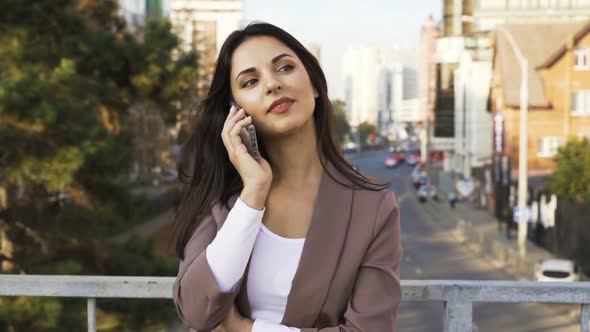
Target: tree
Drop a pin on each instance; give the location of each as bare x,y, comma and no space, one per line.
69,73
365,129
571,179
342,126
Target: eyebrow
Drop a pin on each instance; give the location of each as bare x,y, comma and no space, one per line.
273,61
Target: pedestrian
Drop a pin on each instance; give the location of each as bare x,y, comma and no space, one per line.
298,241
452,199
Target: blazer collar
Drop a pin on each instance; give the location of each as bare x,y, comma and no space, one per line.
321,252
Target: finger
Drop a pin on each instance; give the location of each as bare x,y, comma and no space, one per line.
235,118
230,122
239,125
232,111
235,133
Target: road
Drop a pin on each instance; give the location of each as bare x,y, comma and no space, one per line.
430,252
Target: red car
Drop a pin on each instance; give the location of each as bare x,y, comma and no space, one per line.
391,161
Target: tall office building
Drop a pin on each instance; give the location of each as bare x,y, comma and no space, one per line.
154,8
133,11
203,26
379,79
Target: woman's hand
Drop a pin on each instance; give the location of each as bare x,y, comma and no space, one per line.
234,322
257,177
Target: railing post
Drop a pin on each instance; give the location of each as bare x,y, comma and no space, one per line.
458,313
585,318
91,315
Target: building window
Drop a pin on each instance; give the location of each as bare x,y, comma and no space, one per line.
547,146
582,58
581,103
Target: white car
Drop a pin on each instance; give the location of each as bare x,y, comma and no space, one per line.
427,191
556,270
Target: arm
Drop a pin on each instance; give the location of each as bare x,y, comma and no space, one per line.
377,292
211,273
261,325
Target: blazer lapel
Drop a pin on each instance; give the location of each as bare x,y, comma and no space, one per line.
321,251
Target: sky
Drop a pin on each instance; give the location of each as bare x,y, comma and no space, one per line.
335,24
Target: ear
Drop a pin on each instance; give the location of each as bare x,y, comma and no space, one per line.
316,94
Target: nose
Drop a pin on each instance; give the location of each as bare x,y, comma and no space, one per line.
273,86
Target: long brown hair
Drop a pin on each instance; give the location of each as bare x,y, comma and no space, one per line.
204,164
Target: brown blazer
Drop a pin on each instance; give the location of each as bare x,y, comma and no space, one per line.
348,274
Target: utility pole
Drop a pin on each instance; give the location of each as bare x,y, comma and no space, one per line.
523,145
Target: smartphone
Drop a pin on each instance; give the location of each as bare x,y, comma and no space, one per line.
249,139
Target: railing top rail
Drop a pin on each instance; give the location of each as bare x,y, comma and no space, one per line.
412,290
86,286
496,291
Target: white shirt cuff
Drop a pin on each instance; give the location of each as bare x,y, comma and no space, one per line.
261,325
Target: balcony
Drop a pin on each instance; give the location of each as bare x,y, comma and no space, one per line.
457,296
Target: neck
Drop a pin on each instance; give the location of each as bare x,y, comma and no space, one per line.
295,158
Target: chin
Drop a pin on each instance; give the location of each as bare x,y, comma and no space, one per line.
286,126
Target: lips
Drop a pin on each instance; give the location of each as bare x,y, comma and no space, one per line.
280,105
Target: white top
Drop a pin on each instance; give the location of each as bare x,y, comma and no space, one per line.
272,267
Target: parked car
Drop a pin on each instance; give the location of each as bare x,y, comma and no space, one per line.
414,158
390,161
556,270
400,155
418,176
426,192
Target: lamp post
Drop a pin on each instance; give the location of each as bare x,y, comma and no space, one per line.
523,144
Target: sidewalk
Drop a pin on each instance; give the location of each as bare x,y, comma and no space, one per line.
478,229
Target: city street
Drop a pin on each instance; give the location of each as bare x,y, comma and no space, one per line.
431,252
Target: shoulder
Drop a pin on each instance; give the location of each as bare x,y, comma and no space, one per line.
375,200
376,207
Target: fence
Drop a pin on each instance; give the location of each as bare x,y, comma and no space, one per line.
457,296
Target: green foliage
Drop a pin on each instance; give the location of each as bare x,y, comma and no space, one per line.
136,258
70,71
32,313
67,80
571,180
365,129
342,126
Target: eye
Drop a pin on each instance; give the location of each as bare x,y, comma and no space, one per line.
249,83
286,68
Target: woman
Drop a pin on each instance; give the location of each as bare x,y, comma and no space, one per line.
299,241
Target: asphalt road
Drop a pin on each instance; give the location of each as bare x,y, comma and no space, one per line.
430,252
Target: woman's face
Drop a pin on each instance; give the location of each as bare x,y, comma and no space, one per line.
271,84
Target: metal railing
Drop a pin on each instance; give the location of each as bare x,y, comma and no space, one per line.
457,296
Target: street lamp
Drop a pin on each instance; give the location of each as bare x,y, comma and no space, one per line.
523,142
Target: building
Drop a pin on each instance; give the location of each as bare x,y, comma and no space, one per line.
378,79
155,8
488,14
473,123
559,91
426,82
426,69
203,26
315,49
464,58
133,12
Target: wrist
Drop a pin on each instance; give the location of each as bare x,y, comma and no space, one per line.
254,196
